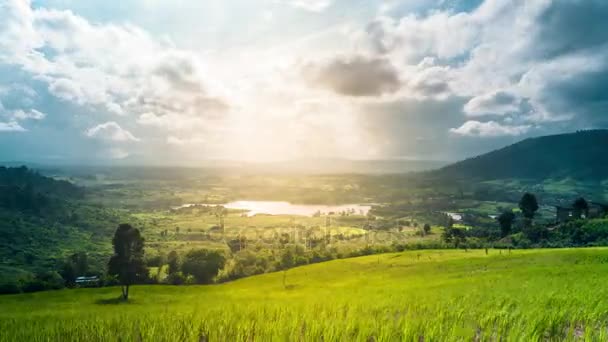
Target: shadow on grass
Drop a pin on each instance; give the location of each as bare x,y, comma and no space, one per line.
113,301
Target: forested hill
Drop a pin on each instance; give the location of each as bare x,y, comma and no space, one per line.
582,155
42,220
25,190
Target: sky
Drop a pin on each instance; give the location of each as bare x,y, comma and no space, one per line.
185,82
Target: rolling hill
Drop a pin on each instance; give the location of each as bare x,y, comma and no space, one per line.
581,155
525,295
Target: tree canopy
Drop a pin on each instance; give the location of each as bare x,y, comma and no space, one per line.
505,220
528,205
127,263
203,264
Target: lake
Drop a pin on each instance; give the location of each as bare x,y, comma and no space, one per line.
286,208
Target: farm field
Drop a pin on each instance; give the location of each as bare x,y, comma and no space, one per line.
433,295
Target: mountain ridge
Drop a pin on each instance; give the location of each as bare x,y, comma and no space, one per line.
578,155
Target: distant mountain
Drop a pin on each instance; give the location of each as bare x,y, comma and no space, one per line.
582,155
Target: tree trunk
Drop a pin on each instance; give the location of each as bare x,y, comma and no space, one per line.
125,292
285,278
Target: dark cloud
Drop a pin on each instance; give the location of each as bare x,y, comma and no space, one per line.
583,95
567,26
356,76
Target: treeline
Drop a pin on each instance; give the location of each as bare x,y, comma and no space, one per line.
519,229
197,266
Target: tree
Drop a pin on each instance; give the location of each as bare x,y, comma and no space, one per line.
447,235
449,222
535,233
528,205
74,266
288,260
459,236
203,264
173,261
427,228
505,220
580,207
127,263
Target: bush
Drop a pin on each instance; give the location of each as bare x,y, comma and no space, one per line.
43,281
203,265
9,287
176,278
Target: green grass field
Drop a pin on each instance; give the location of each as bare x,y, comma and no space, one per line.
527,295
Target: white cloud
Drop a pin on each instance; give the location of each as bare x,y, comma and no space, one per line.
108,67
311,5
497,102
489,129
32,114
448,68
11,126
110,131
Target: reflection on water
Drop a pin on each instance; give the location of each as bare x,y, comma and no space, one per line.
286,208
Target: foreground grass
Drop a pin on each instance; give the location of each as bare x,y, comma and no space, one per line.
420,295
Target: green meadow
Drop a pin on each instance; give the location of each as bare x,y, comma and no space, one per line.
433,295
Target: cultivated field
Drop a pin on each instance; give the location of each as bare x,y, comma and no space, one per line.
525,295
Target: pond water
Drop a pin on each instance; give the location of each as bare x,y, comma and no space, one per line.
286,208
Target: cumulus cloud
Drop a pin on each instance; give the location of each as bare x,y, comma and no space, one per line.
499,69
489,129
11,120
356,76
497,102
539,62
115,68
432,81
32,114
11,126
110,131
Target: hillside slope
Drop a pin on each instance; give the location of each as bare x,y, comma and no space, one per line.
531,295
42,220
581,155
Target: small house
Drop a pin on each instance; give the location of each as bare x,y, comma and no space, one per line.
567,213
87,281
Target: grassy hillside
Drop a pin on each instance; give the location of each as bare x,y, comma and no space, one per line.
431,295
580,155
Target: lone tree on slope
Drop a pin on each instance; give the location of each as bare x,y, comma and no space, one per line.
427,228
580,207
528,205
505,220
127,263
